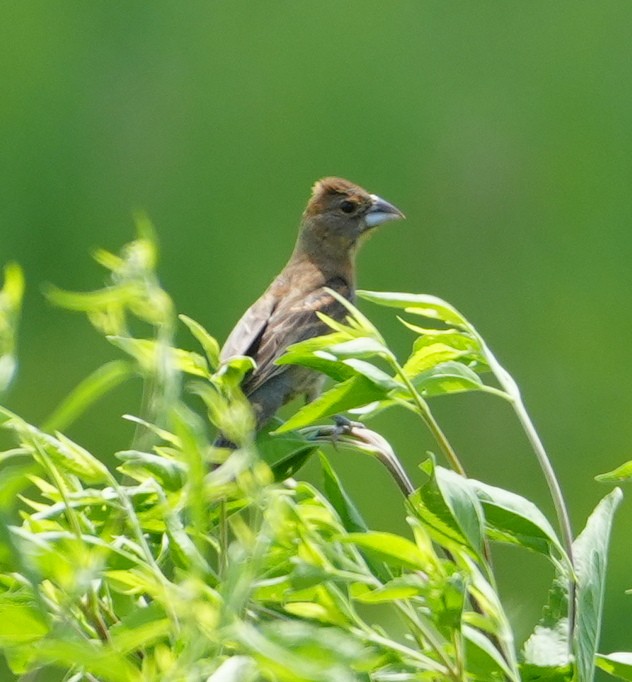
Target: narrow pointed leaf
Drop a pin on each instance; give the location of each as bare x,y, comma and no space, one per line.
351,393
208,343
621,474
349,515
590,552
419,304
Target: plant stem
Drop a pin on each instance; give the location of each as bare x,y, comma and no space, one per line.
513,394
430,421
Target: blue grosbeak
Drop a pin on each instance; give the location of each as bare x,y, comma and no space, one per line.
337,218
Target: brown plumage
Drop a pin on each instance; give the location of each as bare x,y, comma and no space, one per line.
338,215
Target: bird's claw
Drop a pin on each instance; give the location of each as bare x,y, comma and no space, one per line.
343,426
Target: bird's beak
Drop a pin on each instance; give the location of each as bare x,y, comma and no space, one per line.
380,212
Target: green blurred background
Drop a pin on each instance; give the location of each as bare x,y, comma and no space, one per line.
502,129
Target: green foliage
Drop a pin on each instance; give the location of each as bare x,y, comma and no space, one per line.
191,562
10,302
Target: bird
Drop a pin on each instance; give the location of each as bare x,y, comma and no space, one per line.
337,219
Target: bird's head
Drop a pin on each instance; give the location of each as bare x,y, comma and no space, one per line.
339,213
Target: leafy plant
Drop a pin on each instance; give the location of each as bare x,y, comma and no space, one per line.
189,562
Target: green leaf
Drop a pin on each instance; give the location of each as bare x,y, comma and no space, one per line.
463,504
451,510
88,301
299,651
149,354
347,395
428,356
448,377
64,453
419,304
132,581
208,343
108,665
356,319
618,664
490,616
140,628
11,296
83,396
77,460
232,372
20,622
457,339
236,669
315,353
483,658
349,515
621,474
284,455
548,648
361,347
14,479
514,519
291,464
410,585
590,551
393,549
374,374
535,673
143,465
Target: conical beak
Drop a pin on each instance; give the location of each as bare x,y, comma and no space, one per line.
380,212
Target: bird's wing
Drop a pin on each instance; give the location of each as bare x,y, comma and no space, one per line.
245,337
293,319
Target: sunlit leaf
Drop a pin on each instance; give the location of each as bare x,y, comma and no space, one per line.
141,465
428,356
448,377
236,669
10,302
618,664
396,550
86,301
621,474
20,622
139,629
65,453
208,343
362,347
149,354
355,318
419,304
102,661
407,586
315,353
352,393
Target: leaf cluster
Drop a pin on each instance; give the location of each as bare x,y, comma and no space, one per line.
193,562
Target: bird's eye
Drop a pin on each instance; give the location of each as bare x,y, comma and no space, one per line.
348,206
